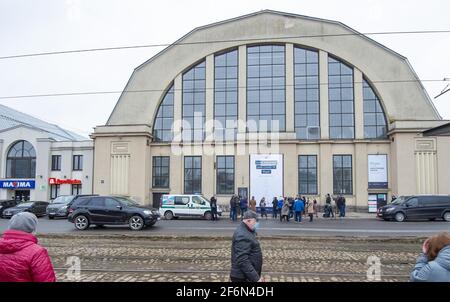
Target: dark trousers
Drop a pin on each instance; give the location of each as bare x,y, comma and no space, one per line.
298,216
274,212
243,210
263,212
234,213
311,217
214,213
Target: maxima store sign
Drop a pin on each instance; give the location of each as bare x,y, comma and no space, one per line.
17,184
377,171
266,176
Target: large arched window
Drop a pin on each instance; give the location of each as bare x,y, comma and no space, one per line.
21,161
341,100
306,79
194,103
226,95
162,130
266,88
375,125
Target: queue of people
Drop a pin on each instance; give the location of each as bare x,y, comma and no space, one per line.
287,208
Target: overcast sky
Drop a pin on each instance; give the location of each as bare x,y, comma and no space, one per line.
28,26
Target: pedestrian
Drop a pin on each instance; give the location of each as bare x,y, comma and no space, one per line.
262,207
280,206
304,205
213,204
328,204
291,207
433,264
21,258
316,208
246,254
285,210
310,210
232,207
243,204
274,207
236,207
343,206
339,205
299,207
252,204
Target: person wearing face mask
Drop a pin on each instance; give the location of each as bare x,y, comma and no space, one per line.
21,258
246,254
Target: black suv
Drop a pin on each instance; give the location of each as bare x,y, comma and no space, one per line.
429,207
110,210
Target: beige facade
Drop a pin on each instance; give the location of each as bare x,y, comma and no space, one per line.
125,146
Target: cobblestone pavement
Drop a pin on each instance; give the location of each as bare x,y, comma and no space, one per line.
172,258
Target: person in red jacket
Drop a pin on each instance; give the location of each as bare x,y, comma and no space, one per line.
21,258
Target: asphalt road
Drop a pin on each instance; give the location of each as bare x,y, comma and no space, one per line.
363,227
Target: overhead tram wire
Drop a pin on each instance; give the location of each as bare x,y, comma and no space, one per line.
221,41
162,90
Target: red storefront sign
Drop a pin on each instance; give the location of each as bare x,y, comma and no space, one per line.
57,181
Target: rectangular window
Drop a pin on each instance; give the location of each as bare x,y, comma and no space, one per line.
54,191
161,168
226,95
266,88
307,174
342,174
192,174
77,163
56,162
306,93
76,189
341,100
225,175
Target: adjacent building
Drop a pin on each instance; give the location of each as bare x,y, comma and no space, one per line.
271,104
40,161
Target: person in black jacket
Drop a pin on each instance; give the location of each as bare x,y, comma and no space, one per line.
213,203
246,254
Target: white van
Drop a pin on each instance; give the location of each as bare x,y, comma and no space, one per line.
173,206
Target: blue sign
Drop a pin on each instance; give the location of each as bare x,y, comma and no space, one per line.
17,184
266,171
378,185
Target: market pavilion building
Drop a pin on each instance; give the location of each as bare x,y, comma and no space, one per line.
271,104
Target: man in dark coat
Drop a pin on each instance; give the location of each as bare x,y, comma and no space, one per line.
246,254
213,203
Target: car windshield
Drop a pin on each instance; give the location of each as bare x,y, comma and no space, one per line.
24,205
63,199
127,201
203,198
400,200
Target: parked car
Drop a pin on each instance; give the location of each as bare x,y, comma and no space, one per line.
429,207
5,204
59,207
174,206
36,207
110,210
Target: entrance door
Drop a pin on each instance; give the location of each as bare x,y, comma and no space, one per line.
157,199
22,195
376,201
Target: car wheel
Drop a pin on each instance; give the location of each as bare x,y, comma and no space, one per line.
208,215
447,216
168,215
81,222
399,217
136,223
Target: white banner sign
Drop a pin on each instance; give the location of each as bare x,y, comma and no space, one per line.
377,171
266,176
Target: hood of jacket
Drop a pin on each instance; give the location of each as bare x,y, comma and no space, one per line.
443,258
14,241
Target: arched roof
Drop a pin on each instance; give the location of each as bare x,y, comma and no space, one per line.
397,84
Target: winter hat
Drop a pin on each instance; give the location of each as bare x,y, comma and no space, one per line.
23,221
250,214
